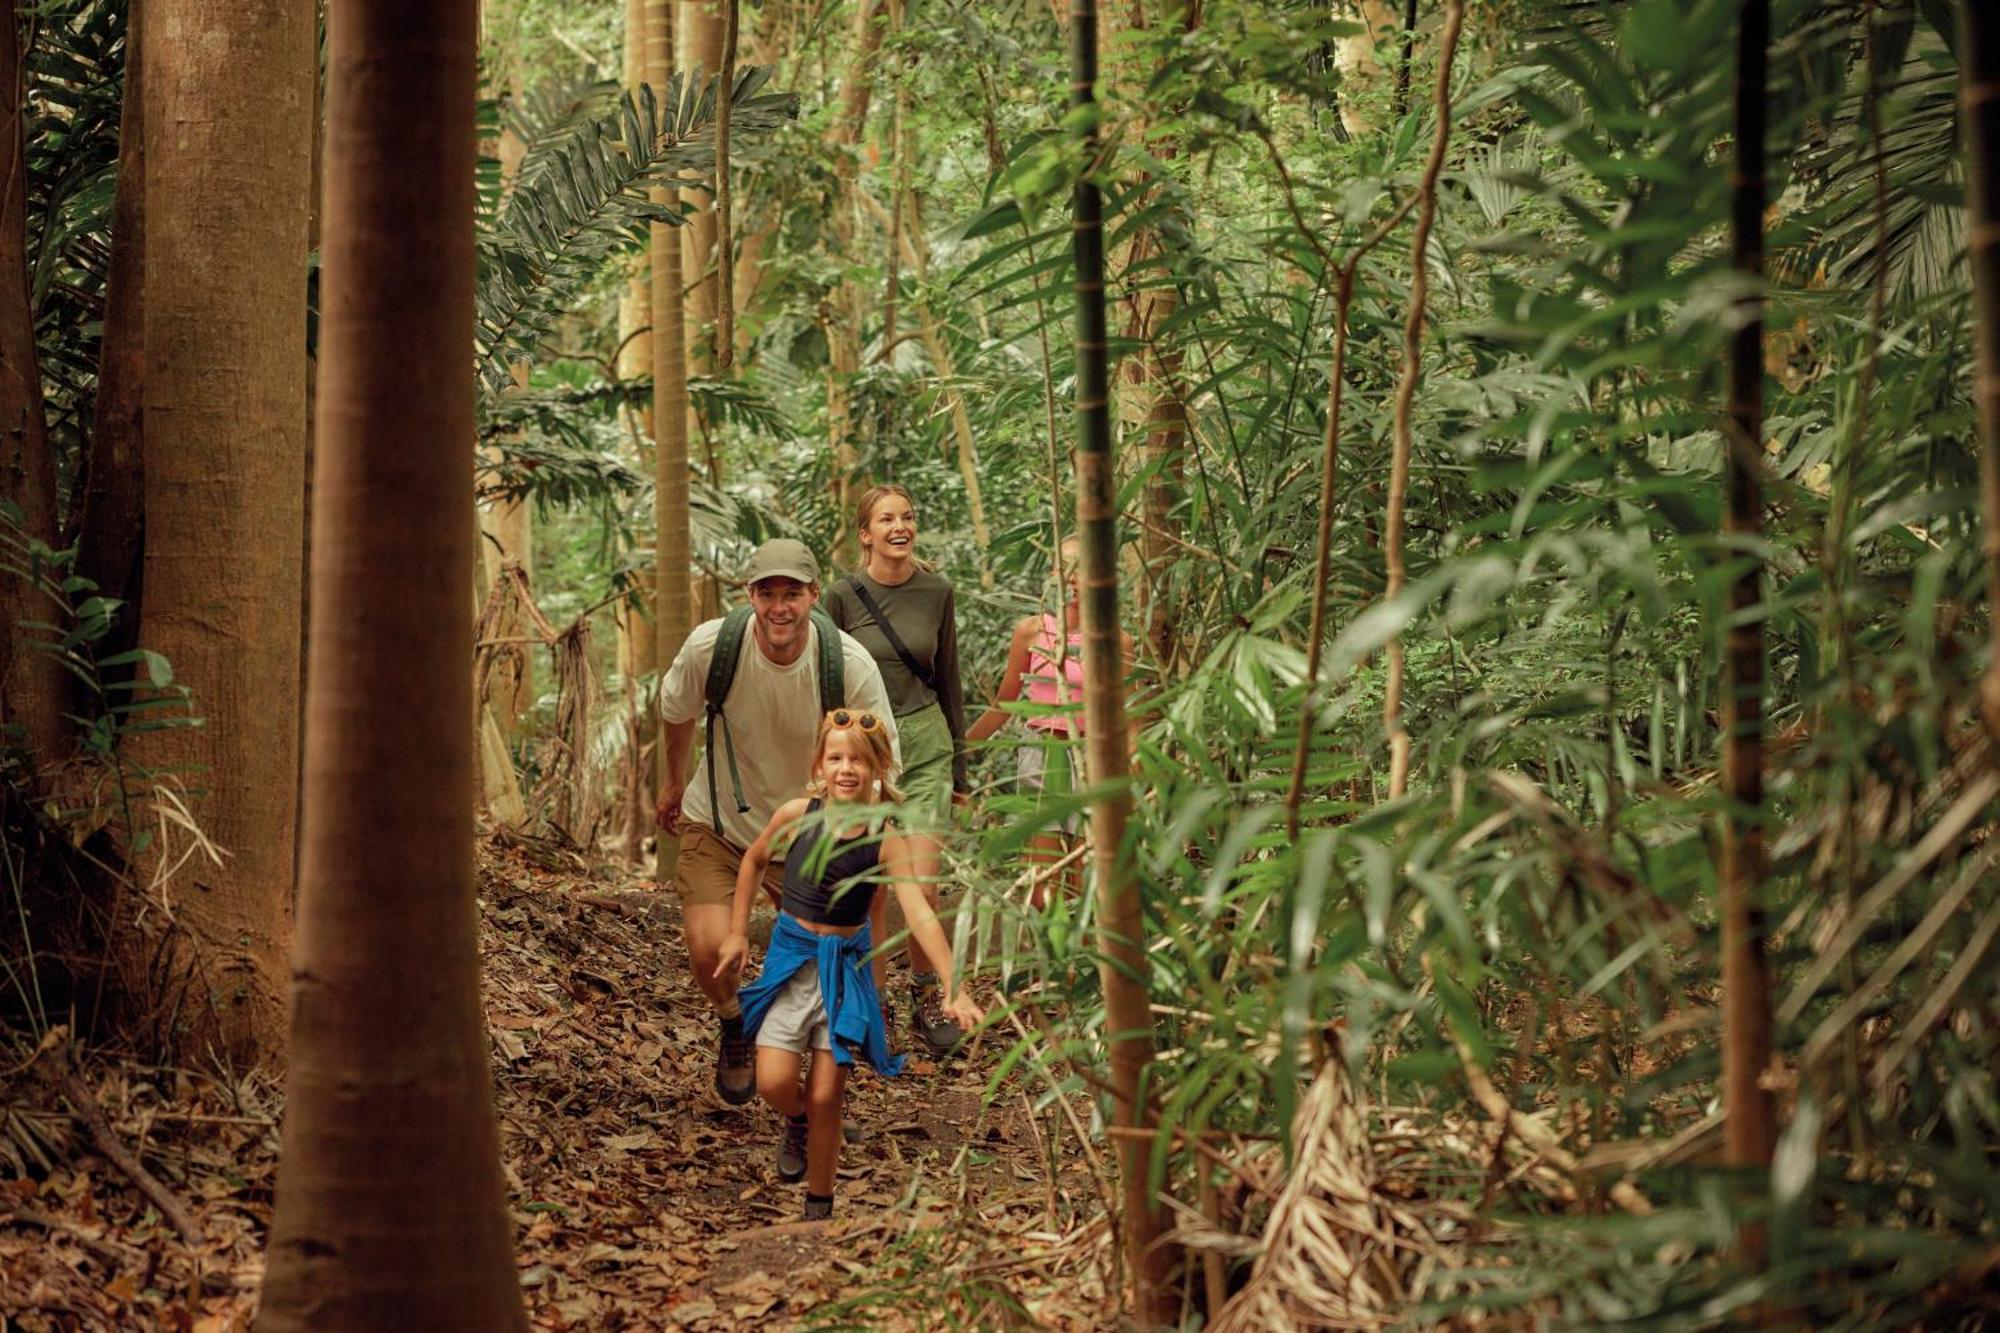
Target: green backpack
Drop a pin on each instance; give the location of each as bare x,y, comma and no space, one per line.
722,675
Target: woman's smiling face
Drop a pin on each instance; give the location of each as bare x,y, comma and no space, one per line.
891,529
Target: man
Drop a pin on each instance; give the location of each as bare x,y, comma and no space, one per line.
759,747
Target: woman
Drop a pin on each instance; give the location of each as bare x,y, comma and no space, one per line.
907,616
1045,665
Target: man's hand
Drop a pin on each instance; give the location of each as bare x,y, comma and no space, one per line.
667,814
961,1010
729,960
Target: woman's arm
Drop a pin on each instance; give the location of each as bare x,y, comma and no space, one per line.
1011,680
749,874
926,930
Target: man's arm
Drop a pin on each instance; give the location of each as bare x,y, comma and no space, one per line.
680,739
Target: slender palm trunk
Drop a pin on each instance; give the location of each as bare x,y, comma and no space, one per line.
724,341
673,604
389,1204
1121,910
1746,1001
228,162
1979,64
698,35
31,682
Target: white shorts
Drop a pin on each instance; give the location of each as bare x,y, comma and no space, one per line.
797,1017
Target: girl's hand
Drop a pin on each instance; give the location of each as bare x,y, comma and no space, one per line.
961,1010
735,952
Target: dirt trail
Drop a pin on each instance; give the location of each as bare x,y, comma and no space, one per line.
641,1201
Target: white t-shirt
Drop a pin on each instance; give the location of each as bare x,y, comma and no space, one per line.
773,715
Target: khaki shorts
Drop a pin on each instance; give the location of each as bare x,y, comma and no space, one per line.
705,874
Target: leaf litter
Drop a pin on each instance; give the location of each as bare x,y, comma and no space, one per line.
640,1201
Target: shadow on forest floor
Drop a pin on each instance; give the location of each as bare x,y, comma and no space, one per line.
640,1200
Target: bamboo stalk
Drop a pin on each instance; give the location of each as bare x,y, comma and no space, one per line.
1121,913
1746,1002
1979,101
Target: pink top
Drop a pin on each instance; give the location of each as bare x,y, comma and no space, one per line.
1040,684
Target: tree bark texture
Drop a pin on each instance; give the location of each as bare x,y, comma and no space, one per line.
842,318
32,689
1121,910
109,526
1749,1134
228,126
699,33
1980,115
673,604
389,1203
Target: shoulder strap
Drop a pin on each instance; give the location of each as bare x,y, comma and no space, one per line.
715,690
832,663
917,669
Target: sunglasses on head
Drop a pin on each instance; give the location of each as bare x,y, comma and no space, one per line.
843,718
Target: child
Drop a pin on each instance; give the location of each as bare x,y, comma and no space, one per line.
1045,667
816,988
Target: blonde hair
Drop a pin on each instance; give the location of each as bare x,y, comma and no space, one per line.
876,740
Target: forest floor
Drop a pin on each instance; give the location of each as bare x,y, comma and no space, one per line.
640,1200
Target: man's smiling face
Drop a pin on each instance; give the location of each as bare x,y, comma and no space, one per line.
782,606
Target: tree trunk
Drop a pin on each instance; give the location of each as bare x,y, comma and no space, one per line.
227,166
841,316
699,33
31,682
507,527
389,1205
1746,1002
1980,106
109,524
673,613
1121,911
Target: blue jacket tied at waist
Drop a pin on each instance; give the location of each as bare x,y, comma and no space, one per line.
846,988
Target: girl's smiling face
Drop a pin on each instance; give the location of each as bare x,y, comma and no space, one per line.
846,766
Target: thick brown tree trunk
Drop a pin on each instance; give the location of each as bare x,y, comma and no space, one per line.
109,527
389,1204
228,123
1979,63
1128,1019
673,604
31,682
1749,1132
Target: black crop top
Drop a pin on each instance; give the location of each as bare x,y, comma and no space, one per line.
830,890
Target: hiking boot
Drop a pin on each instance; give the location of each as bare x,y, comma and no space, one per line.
735,1080
792,1149
927,1017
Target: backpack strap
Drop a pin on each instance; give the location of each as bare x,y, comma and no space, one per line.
832,664
721,675
902,650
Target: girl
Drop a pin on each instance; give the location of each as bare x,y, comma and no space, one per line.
816,989
1045,663
907,617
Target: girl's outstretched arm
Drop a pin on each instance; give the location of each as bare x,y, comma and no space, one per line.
927,931
1011,680
736,947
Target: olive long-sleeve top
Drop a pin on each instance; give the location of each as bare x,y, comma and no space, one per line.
924,610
